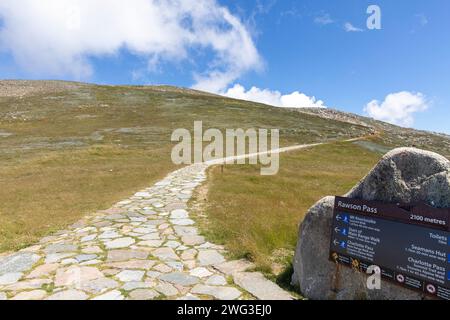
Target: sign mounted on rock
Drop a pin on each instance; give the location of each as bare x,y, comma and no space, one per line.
410,243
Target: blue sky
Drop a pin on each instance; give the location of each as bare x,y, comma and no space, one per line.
280,46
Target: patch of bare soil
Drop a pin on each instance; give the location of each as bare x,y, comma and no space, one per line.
22,88
198,204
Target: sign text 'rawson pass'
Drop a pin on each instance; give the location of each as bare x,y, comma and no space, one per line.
410,243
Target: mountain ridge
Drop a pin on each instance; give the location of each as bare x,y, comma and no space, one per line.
329,113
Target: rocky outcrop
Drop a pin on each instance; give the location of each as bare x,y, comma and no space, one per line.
403,175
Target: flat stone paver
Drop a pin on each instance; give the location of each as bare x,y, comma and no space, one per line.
10,278
259,286
18,262
30,295
218,292
69,295
143,294
146,245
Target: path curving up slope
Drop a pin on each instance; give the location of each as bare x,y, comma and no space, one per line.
143,248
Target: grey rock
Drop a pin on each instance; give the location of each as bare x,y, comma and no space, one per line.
91,262
143,194
403,175
68,295
30,295
130,275
133,264
119,243
109,234
176,205
150,243
115,217
144,230
200,272
151,236
19,262
76,275
143,294
179,214
100,285
43,270
166,289
158,205
189,297
60,247
85,257
69,261
91,250
172,244
55,257
179,278
165,254
132,285
185,231
182,222
216,280
221,293
148,212
192,240
189,254
27,285
10,278
124,255
175,265
261,288
231,267
153,274
163,268
210,257
407,175
154,222
111,295
88,238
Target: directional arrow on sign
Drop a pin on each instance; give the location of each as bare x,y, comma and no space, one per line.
335,242
337,230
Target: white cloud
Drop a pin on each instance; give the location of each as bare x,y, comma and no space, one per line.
274,98
324,19
351,28
58,37
398,108
423,20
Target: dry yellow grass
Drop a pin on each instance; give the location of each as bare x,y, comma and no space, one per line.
49,192
68,149
257,217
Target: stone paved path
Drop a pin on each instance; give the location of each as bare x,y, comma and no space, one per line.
143,248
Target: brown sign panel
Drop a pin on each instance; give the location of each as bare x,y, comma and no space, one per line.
410,243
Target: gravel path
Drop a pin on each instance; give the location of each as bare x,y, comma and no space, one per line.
145,247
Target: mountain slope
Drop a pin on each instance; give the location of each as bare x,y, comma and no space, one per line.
388,134
68,149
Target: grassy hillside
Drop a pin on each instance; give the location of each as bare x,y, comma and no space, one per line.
388,134
257,217
67,149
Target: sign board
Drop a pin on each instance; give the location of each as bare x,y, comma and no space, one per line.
410,243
